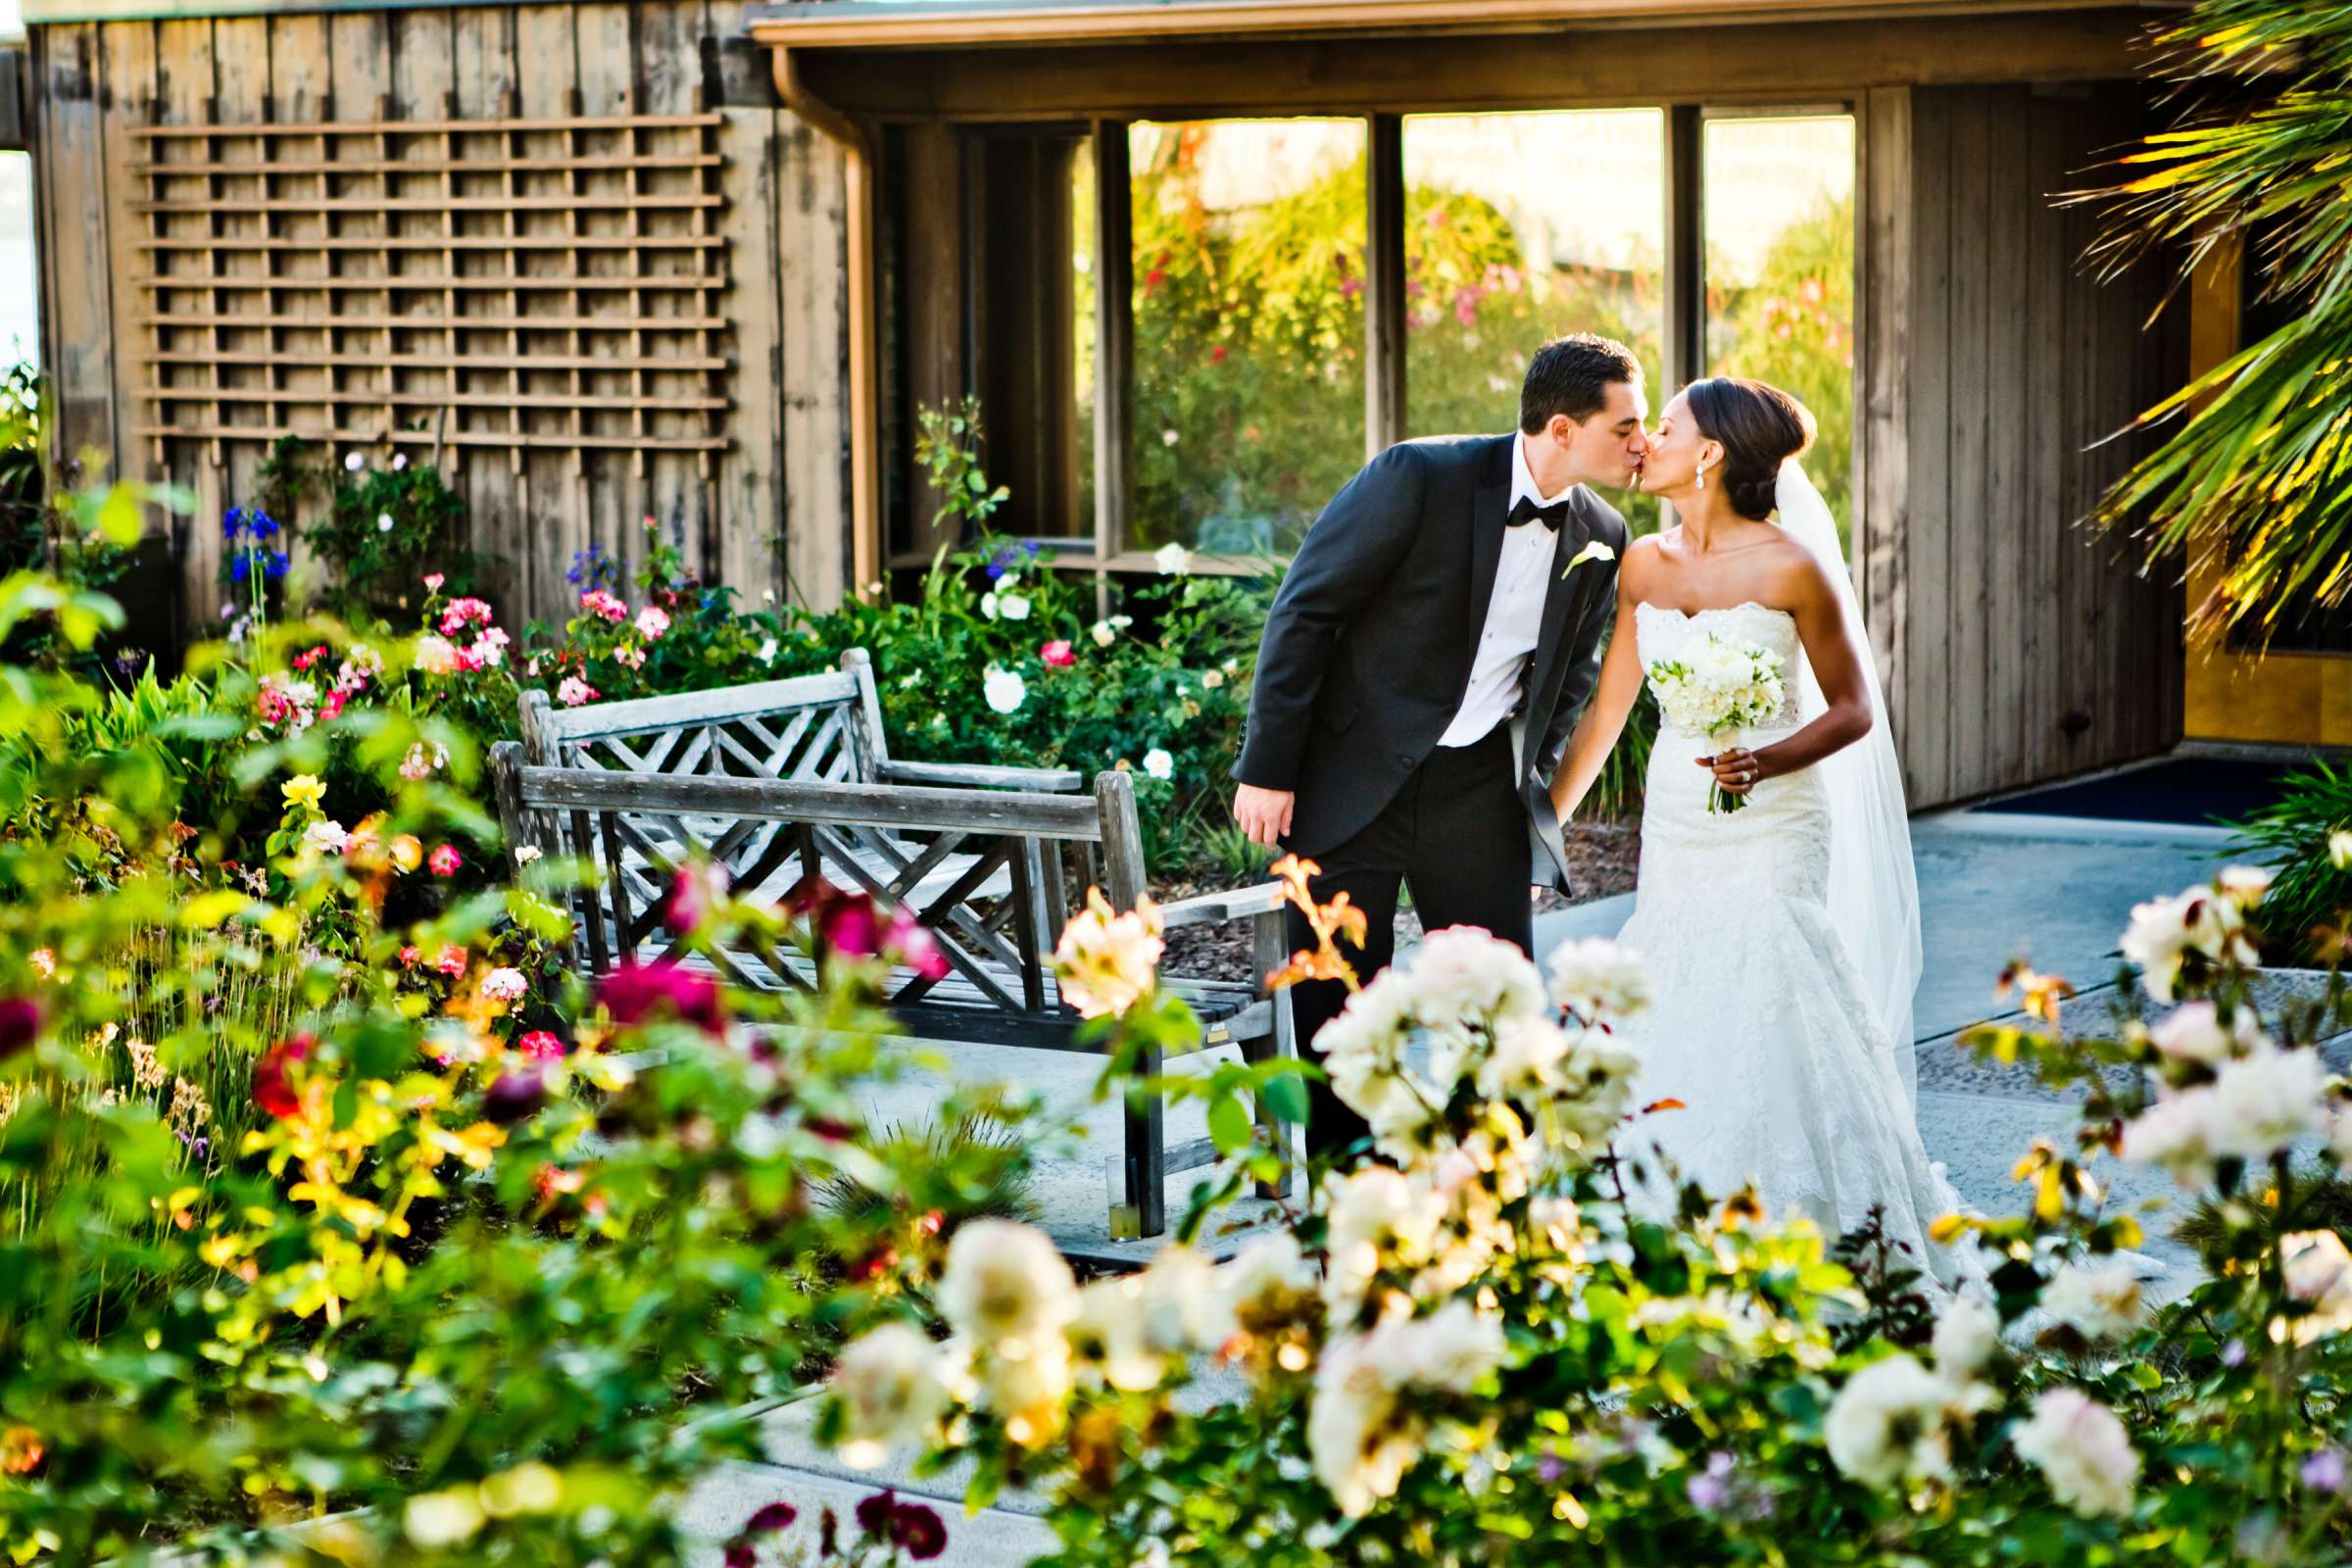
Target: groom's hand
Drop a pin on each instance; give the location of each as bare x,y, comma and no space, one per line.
1265,815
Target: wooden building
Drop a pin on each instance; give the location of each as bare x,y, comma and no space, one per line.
704,262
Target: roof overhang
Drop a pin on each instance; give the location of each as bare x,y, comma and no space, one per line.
971,23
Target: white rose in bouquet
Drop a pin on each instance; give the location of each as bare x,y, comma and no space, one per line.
1267,1281
1722,687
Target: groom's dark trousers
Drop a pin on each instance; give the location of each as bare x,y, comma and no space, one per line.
1366,655
1456,835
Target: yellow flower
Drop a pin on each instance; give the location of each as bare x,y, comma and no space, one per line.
304,789
1107,960
408,852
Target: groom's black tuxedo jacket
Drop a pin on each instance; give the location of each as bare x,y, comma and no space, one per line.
1367,650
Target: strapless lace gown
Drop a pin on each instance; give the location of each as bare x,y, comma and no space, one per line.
1757,1023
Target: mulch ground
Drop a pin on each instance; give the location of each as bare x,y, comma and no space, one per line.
1602,857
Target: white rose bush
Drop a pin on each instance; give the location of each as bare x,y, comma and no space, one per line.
1461,1345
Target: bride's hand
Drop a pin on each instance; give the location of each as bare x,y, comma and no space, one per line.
1737,769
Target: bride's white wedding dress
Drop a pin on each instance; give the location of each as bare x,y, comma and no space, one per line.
1760,1023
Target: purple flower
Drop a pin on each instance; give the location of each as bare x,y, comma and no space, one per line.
239,565
278,564
918,1532
771,1516
515,1094
1710,1490
1548,1469
2233,1353
2324,1471
231,522
262,523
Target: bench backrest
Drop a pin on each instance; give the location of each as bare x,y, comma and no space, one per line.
816,728
993,873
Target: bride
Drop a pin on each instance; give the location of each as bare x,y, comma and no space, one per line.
1782,934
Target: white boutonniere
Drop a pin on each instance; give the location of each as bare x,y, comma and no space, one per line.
1593,551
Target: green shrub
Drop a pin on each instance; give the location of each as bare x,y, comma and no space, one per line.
2312,883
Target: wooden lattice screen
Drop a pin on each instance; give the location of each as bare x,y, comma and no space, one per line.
449,284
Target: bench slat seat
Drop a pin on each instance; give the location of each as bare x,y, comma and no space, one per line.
790,779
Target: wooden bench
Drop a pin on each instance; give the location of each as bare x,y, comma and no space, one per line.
780,781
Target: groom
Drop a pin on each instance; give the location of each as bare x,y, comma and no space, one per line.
1422,665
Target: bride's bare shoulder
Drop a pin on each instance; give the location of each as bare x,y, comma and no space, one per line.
1643,557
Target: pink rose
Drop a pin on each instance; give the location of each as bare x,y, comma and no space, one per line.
433,582
444,860
1058,654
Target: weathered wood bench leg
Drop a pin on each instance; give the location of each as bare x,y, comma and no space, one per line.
1267,944
1146,1152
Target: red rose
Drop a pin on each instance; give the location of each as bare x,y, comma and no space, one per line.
271,1088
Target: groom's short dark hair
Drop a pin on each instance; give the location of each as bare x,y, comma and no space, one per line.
1571,375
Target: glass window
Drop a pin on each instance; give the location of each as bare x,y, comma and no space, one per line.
1520,228
1249,328
1780,274
1082,329
19,291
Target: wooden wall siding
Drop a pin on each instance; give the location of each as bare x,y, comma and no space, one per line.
2020,647
767,513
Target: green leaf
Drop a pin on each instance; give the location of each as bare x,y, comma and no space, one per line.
1229,1124
1285,1096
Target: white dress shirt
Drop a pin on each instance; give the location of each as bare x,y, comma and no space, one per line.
1514,613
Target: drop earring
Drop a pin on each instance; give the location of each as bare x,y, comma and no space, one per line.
1702,474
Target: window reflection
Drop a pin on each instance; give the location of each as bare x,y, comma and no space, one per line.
1520,228
1779,280
1249,328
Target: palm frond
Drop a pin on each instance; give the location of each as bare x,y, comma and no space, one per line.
2259,465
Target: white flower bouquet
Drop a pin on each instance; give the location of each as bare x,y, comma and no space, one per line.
1723,687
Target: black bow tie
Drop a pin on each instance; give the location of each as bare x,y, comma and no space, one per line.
1526,510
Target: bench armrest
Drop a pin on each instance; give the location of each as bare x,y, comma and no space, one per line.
982,775
1215,908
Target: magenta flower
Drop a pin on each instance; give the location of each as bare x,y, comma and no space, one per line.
444,860
19,1024
638,993
1058,654
913,946
541,1044
693,894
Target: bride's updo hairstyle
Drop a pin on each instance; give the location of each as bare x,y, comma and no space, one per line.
1759,428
